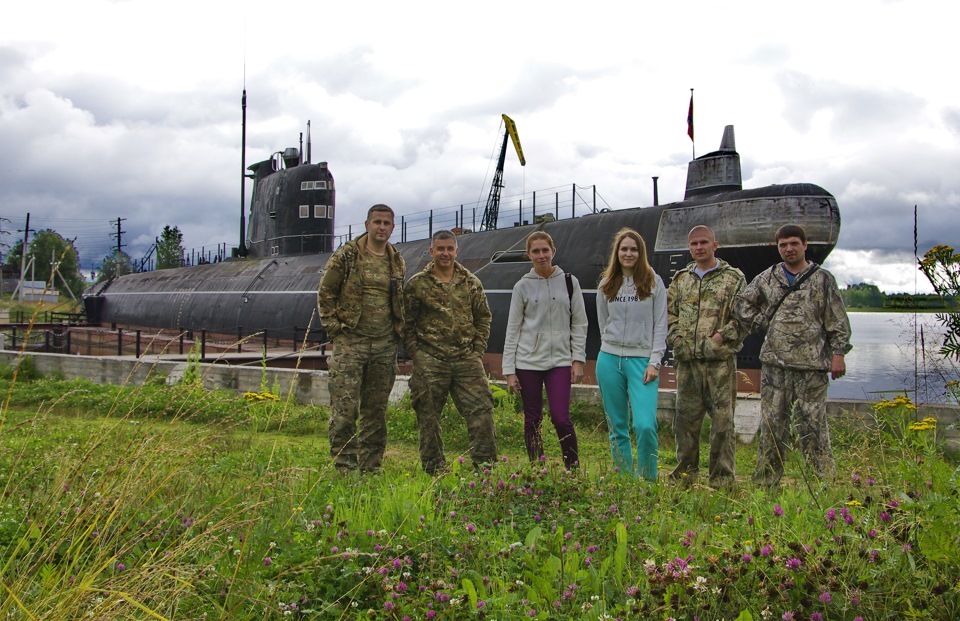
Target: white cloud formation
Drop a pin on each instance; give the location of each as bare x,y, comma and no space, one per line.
131,117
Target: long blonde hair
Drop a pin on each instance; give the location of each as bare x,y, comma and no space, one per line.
612,277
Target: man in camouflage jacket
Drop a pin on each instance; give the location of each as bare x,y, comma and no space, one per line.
705,338
798,304
446,331
360,302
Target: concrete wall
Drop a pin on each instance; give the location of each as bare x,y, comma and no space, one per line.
310,387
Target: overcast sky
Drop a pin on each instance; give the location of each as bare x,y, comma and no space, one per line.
131,109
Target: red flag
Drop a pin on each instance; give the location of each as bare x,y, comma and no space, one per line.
690,118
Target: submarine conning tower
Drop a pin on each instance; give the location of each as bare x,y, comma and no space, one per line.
292,208
715,172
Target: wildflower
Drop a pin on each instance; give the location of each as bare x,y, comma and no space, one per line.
267,561
746,558
885,517
831,515
825,598
817,616
766,550
121,566
389,606
794,564
777,510
788,616
471,528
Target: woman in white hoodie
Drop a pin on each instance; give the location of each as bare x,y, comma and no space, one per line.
632,313
545,345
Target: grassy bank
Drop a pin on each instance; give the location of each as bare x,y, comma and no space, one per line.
175,503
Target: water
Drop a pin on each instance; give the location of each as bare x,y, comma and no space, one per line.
886,354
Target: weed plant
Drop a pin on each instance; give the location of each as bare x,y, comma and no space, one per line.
172,502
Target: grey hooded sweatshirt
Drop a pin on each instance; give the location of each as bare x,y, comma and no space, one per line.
630,327
540,334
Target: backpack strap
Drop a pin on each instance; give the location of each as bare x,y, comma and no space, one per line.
796,285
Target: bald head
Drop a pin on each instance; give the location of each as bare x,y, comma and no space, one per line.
701,230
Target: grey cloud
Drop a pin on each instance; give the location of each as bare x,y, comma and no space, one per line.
951,116
855,110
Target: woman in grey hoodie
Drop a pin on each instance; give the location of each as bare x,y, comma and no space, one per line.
545,345
632,313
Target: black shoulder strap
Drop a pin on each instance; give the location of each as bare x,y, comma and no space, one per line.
569,278
796,285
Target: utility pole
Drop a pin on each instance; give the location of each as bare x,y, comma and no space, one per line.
23,256
119,236
2,260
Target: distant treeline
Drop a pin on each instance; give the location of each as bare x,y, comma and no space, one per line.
864,295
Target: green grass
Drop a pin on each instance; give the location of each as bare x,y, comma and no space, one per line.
175,503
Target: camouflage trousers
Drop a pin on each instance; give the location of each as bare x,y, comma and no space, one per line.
792,401
362,372
464,380
706,387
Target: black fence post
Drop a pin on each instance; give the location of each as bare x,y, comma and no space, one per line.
264,342
137,348
46,341
119,341
203,344
239,339
295,330
68,343
13,337
181,339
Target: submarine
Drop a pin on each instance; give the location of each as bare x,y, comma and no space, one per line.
292,213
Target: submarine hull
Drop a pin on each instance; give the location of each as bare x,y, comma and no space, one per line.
279,294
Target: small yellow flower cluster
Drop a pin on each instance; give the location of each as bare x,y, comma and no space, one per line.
925,425
263,395
898,401
853,503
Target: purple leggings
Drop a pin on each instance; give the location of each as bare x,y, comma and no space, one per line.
557,381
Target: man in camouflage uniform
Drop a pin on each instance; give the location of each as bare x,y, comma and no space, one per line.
360,301
446,331
705,338
798,304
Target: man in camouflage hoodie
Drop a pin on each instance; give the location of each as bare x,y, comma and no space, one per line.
360,301
705,338
798,304
446,331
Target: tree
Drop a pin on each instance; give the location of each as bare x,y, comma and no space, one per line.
862,295
115,264
170,248
941,266
49,249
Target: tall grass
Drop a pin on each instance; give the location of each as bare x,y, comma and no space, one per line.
171,502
